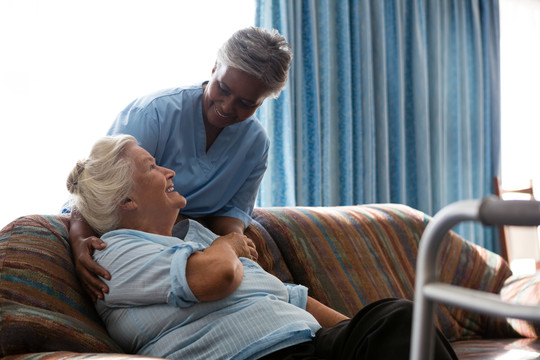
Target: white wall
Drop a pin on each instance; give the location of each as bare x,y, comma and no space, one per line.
67,67
520,116
520,92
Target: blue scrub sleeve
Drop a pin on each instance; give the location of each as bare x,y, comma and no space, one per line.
242,203
137,122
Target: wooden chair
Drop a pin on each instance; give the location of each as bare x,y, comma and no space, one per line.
506,232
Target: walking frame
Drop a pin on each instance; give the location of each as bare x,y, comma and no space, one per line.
428,288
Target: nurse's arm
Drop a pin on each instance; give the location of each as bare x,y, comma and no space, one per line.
223,225
83,243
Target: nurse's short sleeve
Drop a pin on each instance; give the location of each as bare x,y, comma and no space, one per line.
136,121
241,204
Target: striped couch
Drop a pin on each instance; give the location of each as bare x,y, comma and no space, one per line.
347,256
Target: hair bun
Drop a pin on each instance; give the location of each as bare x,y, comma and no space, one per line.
73,178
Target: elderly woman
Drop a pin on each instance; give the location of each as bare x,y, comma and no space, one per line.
207,131
197,295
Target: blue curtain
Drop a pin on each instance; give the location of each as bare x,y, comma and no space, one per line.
388,101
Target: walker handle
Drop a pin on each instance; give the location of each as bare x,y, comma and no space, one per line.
494,211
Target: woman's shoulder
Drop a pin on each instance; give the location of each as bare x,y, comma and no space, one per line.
170,94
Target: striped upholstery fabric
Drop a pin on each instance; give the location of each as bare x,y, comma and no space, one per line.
501,349
353,255
43,307
65,355
523,290
270,257
347,256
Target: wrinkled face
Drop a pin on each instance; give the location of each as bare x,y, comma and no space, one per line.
231,96
153,189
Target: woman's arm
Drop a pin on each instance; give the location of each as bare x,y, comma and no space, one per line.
146,272
326,316
216,272
83,243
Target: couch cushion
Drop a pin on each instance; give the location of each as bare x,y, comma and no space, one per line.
523,290
270,257
350,256
489,349
65,355
43,307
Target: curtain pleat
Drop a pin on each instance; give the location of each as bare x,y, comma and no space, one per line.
388,101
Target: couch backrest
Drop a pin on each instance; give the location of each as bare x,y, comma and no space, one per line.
350,256
42,306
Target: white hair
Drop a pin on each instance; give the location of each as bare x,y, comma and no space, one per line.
100,183
263,54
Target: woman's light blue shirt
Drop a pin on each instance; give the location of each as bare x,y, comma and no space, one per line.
151,311
223,181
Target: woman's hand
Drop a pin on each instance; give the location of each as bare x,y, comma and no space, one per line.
241,244
230,227
83,244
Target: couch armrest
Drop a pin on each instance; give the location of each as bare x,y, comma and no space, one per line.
42,305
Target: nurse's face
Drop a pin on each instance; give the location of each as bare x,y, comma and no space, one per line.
231,96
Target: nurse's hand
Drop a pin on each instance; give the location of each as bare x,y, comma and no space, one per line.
88,271
83,244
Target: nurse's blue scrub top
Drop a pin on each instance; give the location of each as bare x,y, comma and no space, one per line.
221,182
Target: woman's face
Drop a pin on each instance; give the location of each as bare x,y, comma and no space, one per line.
153,189
231,96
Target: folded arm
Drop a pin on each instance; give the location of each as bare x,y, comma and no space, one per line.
216,272
181,274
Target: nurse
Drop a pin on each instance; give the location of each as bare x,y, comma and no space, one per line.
208,130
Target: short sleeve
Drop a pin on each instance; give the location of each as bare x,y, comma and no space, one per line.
134,120
181,295
241,204
297,295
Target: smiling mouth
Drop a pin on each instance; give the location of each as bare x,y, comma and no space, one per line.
220,115
170,189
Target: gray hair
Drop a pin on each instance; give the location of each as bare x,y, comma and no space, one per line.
100,183
263,54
